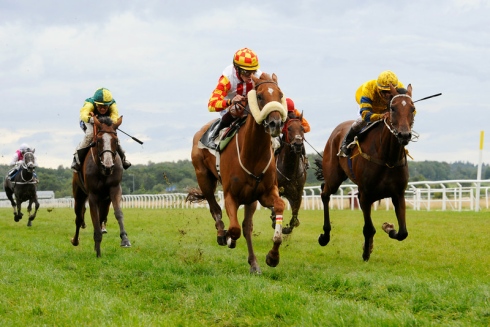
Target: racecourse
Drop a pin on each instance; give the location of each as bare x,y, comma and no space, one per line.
175,274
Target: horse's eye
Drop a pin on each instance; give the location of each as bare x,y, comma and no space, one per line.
392,108
259,97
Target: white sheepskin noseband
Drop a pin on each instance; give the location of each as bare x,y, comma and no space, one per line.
260,115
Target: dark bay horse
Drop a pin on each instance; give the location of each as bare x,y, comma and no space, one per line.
24,188
291,170
99,182
246,170
378,165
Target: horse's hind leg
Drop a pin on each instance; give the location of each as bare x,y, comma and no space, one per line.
247,227
79,208
294,222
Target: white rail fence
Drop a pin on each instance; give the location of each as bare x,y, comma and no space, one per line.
454,195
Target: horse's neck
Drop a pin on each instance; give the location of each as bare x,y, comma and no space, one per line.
390,149
253,140
288,160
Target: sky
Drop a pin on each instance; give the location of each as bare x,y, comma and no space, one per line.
162,59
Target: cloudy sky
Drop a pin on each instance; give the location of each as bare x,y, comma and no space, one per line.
162,59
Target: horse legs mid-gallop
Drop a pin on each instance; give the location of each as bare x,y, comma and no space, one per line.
101,184
23,188
378,166
246,171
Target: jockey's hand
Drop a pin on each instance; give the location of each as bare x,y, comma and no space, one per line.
237,98
236,110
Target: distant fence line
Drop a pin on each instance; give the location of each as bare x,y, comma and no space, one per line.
454,195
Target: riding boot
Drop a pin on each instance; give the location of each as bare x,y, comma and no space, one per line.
126,164
349,137
75,165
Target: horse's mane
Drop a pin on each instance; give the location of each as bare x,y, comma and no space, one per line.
105,120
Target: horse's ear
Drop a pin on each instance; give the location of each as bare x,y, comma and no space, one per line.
33,150
274,77
393,90
118,123
301,117
409,90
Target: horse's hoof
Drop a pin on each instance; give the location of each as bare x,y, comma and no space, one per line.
221,240
83,226
287,230
388,227
75,243
104,231
231,243
29,223
125,244
271,262
323,239
255,270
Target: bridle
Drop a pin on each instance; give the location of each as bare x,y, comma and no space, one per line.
96,142
392,128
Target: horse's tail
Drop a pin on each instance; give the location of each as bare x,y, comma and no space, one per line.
195,195
318,169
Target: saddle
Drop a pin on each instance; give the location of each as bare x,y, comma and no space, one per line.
362,134
218,140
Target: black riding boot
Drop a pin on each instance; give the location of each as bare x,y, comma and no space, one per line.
126,164
349,137
75,165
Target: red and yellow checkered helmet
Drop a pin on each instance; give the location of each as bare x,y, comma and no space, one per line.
385,79
246,59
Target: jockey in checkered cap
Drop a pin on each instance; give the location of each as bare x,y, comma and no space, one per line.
233,85
101,104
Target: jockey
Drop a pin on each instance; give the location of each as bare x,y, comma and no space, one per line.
233,86
295,113
101,104
373,97
18,159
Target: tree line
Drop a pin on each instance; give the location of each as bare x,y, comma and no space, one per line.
176,177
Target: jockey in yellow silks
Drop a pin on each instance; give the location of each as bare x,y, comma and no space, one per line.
373,97
101,104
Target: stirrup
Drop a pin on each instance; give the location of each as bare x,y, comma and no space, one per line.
344,151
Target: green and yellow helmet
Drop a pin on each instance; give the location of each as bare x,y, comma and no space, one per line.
103,96
385,79
246,59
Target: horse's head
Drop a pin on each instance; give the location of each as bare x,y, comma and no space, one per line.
29,161
267,103
105,138
401,114
294,132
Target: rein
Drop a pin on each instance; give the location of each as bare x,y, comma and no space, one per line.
258,179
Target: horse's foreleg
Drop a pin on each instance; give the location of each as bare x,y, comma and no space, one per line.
400,211
294,222
18,213
368,230
324,238
272,258
94,213
116,195
247,226
234,229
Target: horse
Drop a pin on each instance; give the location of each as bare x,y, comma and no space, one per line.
246,170
378,165
24,187
291,170
99,182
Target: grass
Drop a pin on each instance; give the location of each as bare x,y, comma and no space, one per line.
175,274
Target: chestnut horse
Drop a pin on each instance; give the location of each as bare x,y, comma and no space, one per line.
291,170
246,170
99,182
24,188
378,165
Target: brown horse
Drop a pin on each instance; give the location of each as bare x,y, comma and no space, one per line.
378,165
23,187
291,170
99,182
246,170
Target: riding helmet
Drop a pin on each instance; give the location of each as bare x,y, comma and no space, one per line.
246,59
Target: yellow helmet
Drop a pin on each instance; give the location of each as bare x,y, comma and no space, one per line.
385,79
103,96
246,59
